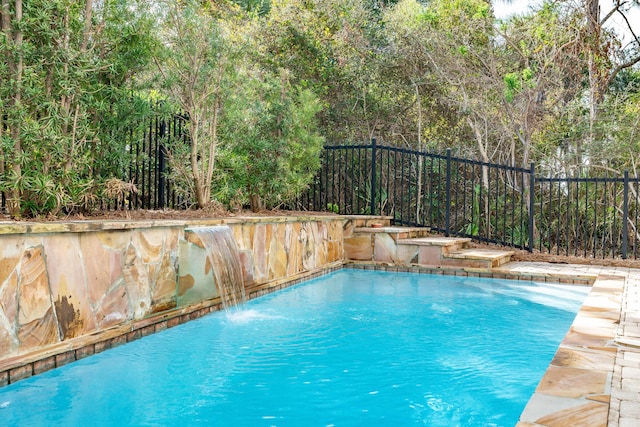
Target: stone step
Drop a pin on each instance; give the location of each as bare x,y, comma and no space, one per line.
378,243
438,251
437,241
413,246
356,221
396,233
428,251
477,258
432,247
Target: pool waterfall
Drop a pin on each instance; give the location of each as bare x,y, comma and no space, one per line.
223,258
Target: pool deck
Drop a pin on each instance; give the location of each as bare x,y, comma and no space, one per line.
594,378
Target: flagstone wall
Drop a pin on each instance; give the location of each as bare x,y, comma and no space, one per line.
61,281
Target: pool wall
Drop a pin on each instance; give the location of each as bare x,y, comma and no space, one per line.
69,290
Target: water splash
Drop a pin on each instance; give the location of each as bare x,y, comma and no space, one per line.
247,316
224,257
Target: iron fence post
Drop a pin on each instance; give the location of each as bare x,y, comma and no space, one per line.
162,165
373,176
532,181
625,215
447,213
324,198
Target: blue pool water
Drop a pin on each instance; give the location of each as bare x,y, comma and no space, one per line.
353,348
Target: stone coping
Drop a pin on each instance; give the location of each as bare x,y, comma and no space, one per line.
436,241
490,273
390,229
81,226
475,253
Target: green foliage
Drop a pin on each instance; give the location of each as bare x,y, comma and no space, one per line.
257,7
275,145
65,103
197,73
252,118
472,228
332,207
515,82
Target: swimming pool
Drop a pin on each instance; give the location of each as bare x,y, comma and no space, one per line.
350,348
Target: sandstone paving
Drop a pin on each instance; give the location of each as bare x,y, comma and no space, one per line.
594,379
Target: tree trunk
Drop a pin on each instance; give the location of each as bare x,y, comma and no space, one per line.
88,10
203,193
420,148
255,202
13,34
481,140
596,90
5,54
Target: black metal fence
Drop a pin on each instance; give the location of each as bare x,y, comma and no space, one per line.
588,217
594,217
145,166
149,167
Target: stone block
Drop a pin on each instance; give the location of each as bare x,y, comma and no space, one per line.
628,422
572,382
430,256
66,357
630,372
277,258
407,254
161,326
85,351
584,359
174,321
630,408
44,365
147,330
632,356
384,248
246,264
631,384
102,346
134,335
590,415
122,339
465,263
358,248
20,373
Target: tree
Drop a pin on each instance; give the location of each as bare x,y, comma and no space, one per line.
70,64
592,62
273,137
197,70
327,47
449,49
542,75
606,55
12,49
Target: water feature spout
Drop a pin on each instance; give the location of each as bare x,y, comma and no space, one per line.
224,258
